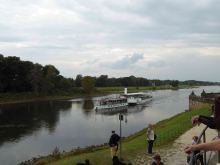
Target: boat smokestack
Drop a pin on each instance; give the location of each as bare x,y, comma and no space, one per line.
126,91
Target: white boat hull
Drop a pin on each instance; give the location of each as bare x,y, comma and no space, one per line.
111,106
110,111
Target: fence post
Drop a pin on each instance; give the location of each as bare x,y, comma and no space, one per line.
204,140
218,151
120,118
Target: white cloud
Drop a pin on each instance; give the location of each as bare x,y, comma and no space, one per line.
103,37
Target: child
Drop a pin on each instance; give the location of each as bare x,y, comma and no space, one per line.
157,160
196,153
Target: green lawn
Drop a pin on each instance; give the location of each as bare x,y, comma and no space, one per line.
166,130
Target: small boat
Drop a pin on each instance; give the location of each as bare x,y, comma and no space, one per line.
137,98
110,103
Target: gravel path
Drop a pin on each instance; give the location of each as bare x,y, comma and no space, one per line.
174,154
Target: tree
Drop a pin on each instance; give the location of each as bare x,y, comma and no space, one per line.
78,80
175,83
64,84
50,71
101,81
50,77
36,78
88,84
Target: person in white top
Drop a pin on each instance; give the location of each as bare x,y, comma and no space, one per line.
150,138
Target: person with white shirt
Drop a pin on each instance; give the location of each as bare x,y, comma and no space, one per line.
150,138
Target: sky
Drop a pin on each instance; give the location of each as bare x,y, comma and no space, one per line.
155,39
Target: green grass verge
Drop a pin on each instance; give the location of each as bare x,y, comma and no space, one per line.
167,131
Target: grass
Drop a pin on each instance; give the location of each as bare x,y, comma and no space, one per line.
167,131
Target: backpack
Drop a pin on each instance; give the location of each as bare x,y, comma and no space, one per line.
110,143
113,141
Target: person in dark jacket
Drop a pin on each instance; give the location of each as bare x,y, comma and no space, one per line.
113,143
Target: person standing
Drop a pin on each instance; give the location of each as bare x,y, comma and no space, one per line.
113,143
150,138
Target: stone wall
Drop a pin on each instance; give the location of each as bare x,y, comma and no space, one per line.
205,100
198,102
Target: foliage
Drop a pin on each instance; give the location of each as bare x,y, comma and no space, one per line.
18,76
78,80
88,84
102,81
174,83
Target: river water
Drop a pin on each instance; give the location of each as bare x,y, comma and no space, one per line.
32,129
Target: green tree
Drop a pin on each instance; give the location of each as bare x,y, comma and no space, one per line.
101,81
64,84
14,74
78,80
36,78
174,83
88,84
50,76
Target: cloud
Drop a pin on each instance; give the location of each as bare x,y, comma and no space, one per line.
93,36
156,64
127,61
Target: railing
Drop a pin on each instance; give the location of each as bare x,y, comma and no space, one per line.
206,158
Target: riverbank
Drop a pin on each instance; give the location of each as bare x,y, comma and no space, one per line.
10,98
167,131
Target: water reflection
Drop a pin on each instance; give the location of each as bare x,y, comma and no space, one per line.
122,110
19,120
112,111
87,106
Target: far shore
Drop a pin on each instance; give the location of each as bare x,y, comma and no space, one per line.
12,98
42,98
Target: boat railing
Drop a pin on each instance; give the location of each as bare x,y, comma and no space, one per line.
207,155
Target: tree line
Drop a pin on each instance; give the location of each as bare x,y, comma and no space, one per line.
24,76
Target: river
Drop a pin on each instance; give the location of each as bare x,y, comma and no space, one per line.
35,128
